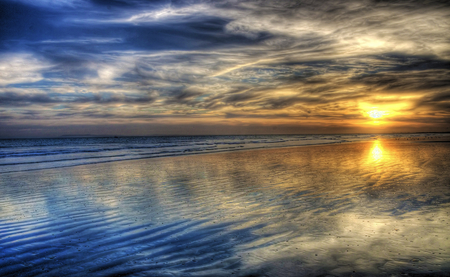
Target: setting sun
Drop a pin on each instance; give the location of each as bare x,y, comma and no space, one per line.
376,114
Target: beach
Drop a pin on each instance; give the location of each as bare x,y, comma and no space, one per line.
371,208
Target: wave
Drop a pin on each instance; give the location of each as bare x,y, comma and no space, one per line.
34,154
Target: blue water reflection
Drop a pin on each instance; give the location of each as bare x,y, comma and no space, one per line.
377,208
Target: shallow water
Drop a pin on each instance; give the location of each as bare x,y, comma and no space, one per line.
32,154
364,209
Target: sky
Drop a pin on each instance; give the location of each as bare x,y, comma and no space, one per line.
136,67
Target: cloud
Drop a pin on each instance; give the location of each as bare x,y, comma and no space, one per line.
53,3
241,97
21,68
84,41
409,81
12,99
226,59
166,14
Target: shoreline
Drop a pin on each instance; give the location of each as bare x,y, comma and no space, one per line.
185,155
322,209
419,139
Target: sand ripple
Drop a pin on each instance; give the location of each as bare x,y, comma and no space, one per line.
375,208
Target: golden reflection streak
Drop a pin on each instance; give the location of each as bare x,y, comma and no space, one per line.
377,151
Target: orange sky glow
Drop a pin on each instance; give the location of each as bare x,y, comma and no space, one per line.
206,68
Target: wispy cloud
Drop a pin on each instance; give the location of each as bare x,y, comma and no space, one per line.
21,68
84,40
226,60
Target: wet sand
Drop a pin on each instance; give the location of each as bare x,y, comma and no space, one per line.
376,208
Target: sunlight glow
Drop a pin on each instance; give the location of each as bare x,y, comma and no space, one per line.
376,113
377,152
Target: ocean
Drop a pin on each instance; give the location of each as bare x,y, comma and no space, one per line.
341,205
32,154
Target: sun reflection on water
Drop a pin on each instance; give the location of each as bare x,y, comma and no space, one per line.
377,151
254,211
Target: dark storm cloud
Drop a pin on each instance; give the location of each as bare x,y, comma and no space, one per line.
183,96
10,99
14,99
115,3
438,97
241,97
404,62
280,103
407,80
437,102
225,59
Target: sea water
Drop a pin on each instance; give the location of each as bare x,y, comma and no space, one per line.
371,208
31,154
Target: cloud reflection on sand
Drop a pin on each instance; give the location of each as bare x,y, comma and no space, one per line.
281,212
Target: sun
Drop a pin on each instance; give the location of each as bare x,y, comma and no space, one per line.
376,114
